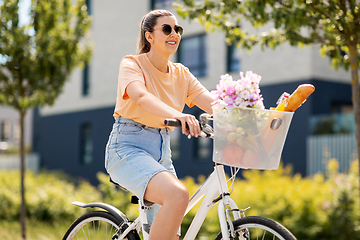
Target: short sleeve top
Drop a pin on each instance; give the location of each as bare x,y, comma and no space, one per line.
175,88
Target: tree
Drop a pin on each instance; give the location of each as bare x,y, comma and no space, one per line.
37,58
333,25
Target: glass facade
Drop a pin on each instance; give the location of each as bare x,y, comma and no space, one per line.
192,53
156,4
86,144
85,81
88,4
233,59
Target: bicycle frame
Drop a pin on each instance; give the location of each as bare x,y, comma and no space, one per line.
214,186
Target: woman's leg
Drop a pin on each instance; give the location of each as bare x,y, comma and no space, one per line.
165,189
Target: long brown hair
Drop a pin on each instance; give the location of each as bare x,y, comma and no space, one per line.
147,25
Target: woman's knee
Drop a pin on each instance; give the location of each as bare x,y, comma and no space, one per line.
179,196
165,188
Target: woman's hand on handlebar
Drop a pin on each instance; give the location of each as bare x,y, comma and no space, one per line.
192,122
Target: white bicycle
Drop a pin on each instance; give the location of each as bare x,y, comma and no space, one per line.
111,223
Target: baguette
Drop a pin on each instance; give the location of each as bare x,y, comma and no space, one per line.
299,96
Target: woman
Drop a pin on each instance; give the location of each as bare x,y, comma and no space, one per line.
151,89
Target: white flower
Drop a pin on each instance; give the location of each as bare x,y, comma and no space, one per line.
226,77
245,94
238,86
259,105
238,101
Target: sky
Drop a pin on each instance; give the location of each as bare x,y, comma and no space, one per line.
24,10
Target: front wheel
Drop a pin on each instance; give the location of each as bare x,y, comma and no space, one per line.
96,225
256,227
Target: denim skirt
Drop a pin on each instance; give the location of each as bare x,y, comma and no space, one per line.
134,154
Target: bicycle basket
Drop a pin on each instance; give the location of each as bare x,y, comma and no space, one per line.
249,138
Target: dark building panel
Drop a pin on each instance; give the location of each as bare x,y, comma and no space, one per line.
58,140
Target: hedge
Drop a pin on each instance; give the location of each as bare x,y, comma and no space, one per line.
323,206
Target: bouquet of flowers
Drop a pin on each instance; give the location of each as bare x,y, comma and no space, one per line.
242,93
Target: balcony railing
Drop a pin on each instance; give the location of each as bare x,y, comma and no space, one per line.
322,148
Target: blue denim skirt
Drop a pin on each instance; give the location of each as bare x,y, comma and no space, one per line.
134,154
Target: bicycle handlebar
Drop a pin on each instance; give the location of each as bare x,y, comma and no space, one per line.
174,123
206,130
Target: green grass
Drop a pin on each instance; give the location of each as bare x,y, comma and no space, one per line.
35,230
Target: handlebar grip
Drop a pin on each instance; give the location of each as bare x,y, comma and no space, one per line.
174,123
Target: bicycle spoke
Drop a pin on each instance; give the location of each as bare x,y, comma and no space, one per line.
83,232
87,227
94,227
98,230
264,235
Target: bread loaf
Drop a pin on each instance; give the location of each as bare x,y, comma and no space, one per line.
299,96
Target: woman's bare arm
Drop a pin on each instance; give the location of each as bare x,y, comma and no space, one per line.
150,103
203,101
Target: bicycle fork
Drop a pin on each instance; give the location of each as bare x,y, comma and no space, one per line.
227,205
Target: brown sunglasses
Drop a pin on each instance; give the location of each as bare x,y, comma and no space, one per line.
167,29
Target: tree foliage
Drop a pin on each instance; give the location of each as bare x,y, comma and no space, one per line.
334,25
37,58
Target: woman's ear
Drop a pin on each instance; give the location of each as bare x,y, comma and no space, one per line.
149,37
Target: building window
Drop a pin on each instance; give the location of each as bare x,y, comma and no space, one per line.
192,53
233,58
85,81
5,131
156,4
88,4
86,144
339,121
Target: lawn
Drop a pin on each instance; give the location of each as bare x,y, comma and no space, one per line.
35,230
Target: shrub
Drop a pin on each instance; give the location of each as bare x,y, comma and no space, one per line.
48,196
323,206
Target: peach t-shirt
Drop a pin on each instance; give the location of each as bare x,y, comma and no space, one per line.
174,88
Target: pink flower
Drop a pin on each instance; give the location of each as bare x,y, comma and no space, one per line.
230,90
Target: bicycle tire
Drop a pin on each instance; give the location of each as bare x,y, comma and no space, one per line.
101,224
256,227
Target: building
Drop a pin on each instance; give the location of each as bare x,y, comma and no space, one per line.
71,135
10,129
10,140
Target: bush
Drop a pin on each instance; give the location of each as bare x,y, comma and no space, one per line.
323,206
48,196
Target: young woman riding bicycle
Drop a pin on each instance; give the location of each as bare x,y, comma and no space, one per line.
150,89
